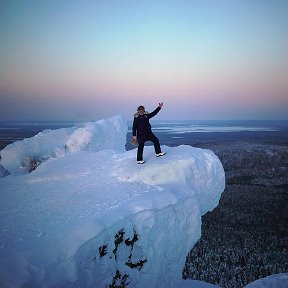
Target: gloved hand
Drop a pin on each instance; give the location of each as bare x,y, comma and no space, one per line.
134,140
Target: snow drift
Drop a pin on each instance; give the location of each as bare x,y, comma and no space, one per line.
24,156
272,281
88,216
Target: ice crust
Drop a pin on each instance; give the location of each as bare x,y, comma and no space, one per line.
272,281
92,136
90,216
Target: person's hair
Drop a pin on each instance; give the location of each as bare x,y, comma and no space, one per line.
140,107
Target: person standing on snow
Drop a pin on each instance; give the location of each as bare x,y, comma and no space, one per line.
142,132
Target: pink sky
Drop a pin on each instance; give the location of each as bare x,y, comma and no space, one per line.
204,59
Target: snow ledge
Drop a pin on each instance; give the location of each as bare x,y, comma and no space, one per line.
92,216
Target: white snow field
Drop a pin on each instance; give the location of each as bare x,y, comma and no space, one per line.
87,215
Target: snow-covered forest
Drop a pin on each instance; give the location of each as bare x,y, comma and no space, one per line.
245,237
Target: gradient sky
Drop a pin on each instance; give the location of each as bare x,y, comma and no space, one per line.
85,60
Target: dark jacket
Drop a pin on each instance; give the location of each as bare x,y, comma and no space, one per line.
141,125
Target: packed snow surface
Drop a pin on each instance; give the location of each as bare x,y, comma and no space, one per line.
273,281
87,215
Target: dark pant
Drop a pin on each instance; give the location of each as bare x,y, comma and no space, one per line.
151,137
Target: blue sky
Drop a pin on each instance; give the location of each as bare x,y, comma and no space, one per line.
85,60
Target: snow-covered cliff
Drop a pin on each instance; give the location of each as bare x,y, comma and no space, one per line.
88,216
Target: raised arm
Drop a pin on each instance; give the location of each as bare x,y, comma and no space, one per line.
152,114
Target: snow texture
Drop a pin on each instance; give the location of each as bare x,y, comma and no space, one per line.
195,284
273,281
3,172
23,156
87,215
